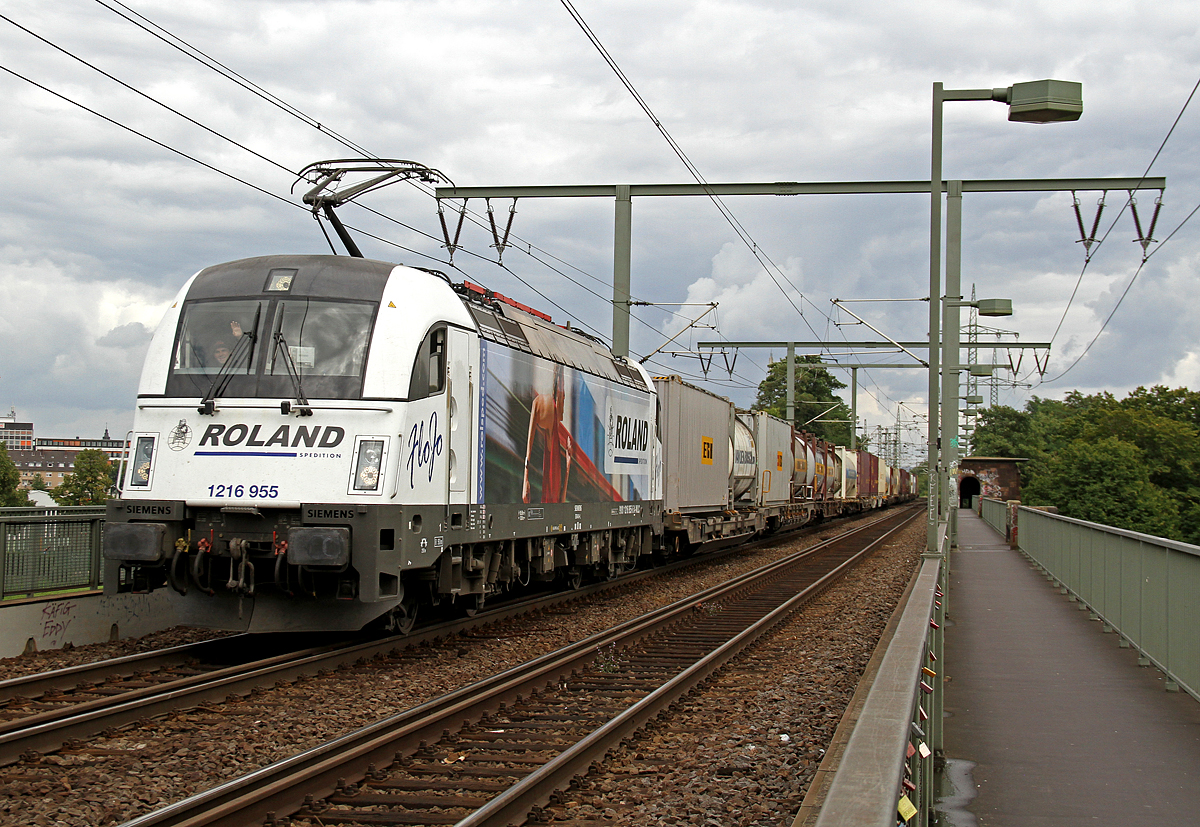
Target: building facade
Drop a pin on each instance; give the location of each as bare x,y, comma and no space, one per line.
53,466
113,447
14,435
50,457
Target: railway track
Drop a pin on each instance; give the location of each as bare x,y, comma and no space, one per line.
43,712
493,752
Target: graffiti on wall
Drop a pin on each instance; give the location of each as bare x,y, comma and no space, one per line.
56,619
989,482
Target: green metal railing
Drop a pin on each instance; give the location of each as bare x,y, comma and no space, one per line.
1145,588
48,550
995,514
886,774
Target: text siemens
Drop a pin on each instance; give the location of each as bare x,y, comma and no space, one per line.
319,436
329,514
155,510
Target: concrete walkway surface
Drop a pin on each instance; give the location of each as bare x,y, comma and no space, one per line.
1047,719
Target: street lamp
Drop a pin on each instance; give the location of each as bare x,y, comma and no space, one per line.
1039,101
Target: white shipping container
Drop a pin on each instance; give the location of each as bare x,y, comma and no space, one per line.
773,442
697,461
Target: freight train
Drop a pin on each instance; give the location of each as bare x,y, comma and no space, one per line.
324,442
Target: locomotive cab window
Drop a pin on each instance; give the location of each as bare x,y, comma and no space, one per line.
429,370
262,349
215,337
319,338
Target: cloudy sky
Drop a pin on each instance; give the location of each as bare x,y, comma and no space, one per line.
101,226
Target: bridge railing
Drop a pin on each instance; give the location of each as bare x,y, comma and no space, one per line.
887,766
47,550
1145,588
994,513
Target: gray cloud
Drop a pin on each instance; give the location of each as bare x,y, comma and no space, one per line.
133,334
102,227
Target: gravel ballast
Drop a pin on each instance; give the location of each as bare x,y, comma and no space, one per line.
145,766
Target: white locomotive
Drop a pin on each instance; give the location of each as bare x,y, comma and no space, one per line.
322,441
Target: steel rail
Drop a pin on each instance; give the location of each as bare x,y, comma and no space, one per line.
48,730
513,805
60,680
282,787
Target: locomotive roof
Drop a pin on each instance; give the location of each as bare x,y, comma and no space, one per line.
510,326
319,276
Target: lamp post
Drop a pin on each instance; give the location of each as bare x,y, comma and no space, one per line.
1040,101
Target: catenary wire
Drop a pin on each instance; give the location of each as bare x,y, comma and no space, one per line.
167,147
153,100
194,53
191,51
178,43
259,91
1142,266
733,221
741,232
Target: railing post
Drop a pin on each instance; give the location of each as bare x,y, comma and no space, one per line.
3,554
95,566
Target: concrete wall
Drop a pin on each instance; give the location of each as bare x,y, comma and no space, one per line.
91,618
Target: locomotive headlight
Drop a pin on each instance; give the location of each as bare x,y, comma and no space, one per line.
368,468
143,462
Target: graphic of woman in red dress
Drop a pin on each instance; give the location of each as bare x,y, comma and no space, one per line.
545,418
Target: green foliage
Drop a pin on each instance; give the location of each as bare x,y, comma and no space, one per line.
814,385
1131,463
10,495
39,483
1105,481
1003,432
91,481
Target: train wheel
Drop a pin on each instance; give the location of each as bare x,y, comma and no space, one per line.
401,619
471,604
572,578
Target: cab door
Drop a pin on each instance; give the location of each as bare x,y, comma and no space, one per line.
462,405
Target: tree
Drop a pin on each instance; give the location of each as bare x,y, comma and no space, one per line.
11,496
1180,404
1132,463
814,385
39,483
1170,447
1105,481
1004,432
94,475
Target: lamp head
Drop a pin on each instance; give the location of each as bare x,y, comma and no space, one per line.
994,307
1042,101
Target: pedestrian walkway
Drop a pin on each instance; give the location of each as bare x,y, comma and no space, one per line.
1048,722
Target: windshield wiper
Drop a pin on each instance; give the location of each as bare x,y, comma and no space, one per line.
281,346
245,345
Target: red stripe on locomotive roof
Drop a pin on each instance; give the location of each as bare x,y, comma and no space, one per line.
500,297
